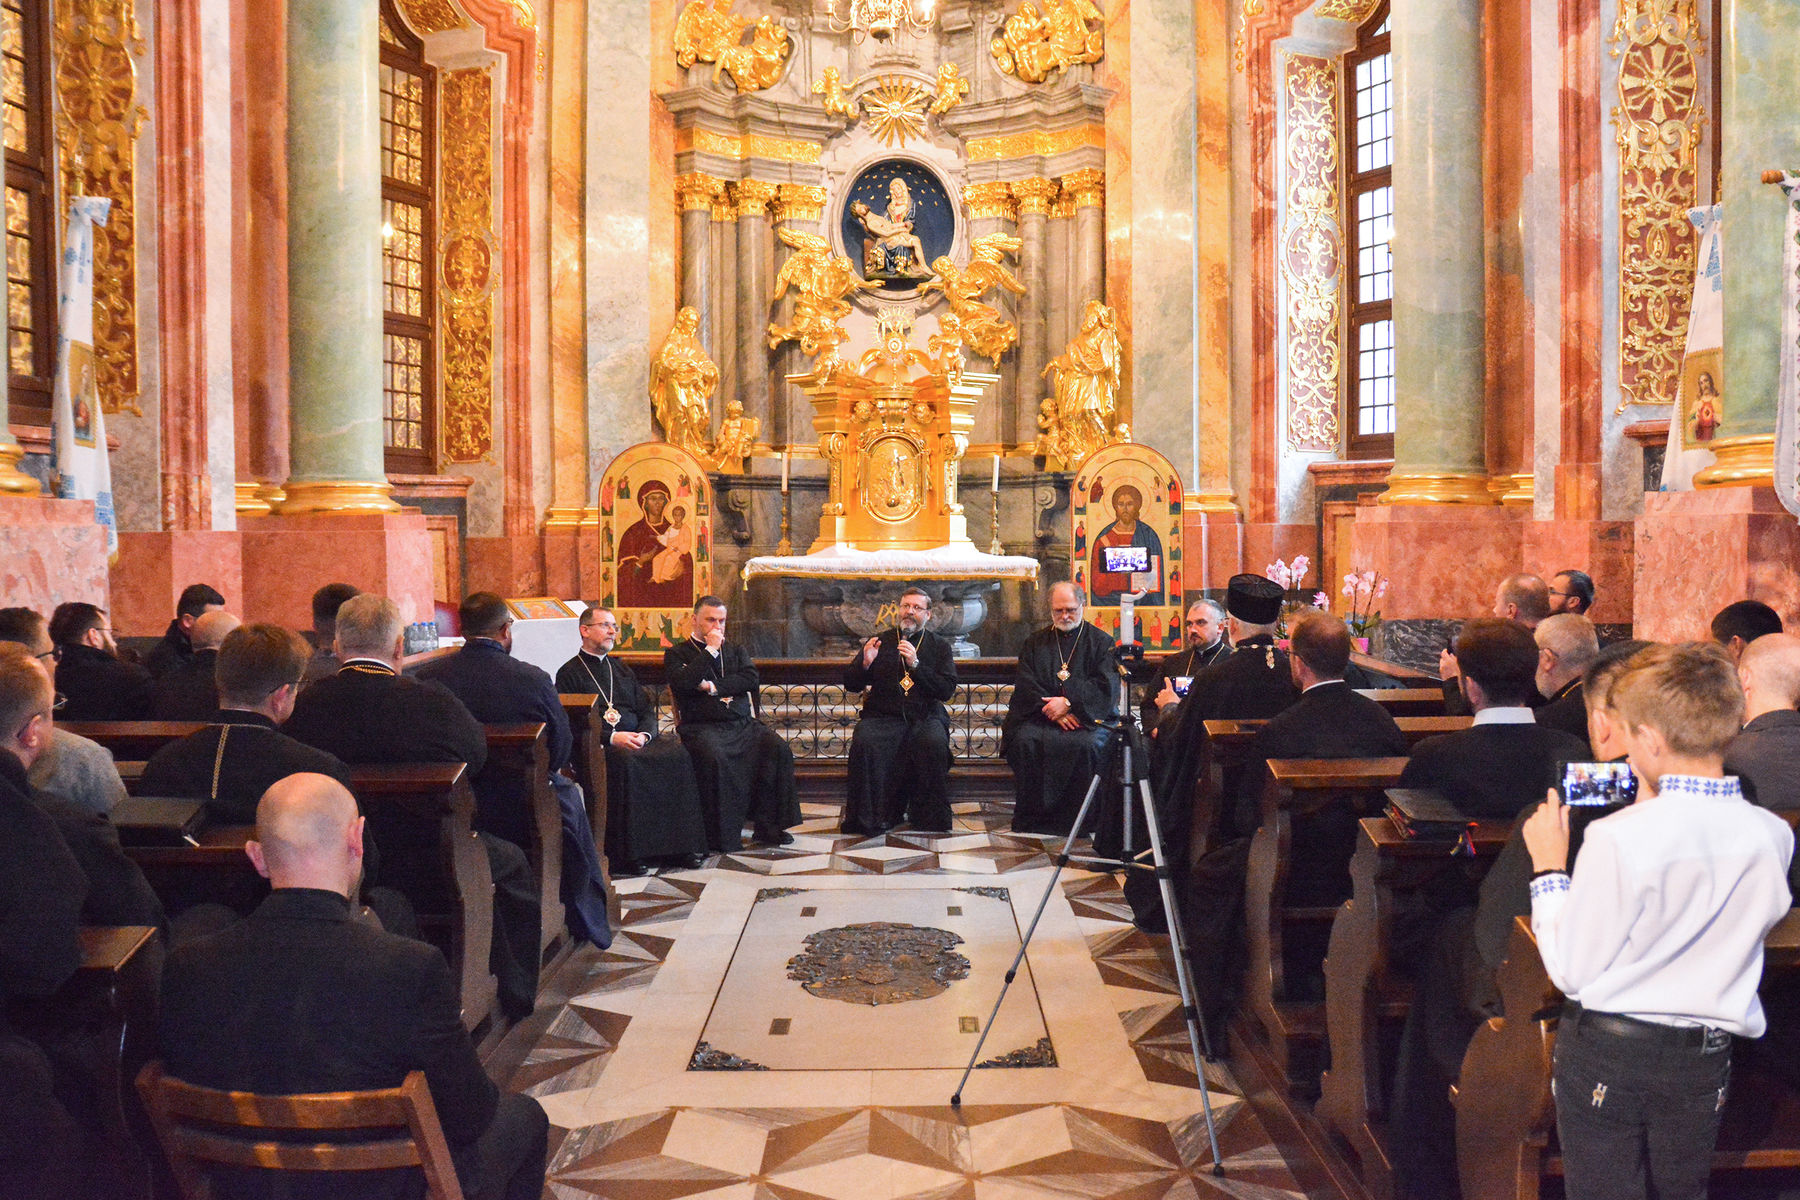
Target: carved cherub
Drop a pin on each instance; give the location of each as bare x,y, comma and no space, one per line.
737,433
946,346
984,330
831,86
758,65
951,88
1031,46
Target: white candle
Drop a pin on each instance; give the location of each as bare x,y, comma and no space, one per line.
784,472
995,486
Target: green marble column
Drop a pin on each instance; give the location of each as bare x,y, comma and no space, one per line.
334,259
1761,44
1439,286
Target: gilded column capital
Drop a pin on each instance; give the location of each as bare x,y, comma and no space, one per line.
724,203
1087,187
800,202
754,197
990,201
1034,195
1064,207
697,190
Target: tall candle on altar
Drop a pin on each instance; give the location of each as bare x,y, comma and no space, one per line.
784,472
995,486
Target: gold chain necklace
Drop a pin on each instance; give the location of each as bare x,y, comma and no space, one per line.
611,715
1062,671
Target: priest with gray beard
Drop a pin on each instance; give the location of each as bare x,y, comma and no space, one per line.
1063,696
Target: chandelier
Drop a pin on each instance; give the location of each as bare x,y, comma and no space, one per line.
880,19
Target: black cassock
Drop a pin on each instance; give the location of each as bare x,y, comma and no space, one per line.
652,801
1051,766
744,769
900,752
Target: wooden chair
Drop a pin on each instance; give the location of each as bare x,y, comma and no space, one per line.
205,1125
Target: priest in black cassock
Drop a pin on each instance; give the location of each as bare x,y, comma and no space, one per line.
900,752
1065,689
745,769
1205,644
652,803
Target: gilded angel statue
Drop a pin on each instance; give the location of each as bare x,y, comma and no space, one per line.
831,87
1087,387
682,381
820,281
1034,43
708,31
984,330
946,347
737,433
951,88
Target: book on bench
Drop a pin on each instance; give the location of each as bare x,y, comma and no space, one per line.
158,821
1426,815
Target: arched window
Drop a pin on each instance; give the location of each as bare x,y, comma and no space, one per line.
409,244
30,216
1368,156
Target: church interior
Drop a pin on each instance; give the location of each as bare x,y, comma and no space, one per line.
795,304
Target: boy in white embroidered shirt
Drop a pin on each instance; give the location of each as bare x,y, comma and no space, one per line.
1656,941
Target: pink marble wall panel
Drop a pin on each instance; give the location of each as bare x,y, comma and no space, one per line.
153,568
286,559
1442,561
1699,551
562,571
504,565
1601,548
51,551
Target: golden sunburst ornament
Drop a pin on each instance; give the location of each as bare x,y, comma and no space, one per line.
894,110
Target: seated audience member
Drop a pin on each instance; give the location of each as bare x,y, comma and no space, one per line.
652,802
1571,591
301,998
41,892
1656,937
1737,625
1567,647
1205,644
498,689
70,766
900,752
177,647
370,713
95,682
1064,694
325,604
745,769
1524,598
1505,760
188,691
1455,988
1765,755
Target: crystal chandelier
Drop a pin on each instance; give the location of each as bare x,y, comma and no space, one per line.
881,19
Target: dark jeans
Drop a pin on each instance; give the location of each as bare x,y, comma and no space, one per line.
507,1162
1637,1117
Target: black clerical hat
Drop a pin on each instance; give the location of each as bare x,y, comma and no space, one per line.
1253,599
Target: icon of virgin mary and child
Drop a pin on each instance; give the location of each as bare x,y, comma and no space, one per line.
891,251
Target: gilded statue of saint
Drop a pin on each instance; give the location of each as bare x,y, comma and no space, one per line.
1034,42
1087,385
682,381
708,31
983,329
891,251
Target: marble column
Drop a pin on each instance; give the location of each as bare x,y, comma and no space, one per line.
1087,189
1761,93
991,209
697,194
334,261
1059,274
800,207
1035,197
755,275
1440,368
722,349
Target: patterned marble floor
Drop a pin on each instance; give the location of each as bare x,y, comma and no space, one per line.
1118,1117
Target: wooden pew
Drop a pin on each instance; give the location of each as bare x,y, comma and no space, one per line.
108,1005
1407,702
587,764
1294,1022
519,763
1365,1000
405,803
1506,1118
132,741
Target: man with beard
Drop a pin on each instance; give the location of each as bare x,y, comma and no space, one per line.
1205,645
95,682
900,752
1064,694
745,769
652,801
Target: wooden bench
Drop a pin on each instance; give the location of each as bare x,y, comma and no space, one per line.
1286,938
409,806
587,764
518,771
132,741
1506,1118
1409,701
1365,999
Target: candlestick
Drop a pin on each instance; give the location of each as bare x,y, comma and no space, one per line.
784,546
784,473
995,486
994,546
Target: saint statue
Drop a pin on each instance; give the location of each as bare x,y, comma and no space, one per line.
890,251
1087,385
682,380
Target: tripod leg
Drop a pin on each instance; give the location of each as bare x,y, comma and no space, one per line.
1198,1042
1060,861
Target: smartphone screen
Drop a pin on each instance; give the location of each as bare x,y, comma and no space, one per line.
1182,683
1593,790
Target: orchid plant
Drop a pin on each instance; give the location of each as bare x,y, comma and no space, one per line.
1289,575
1362,589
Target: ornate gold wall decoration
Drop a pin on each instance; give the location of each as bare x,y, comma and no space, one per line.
1051,36
1353,11
990,202
1241,43
467,263
984,329
1036,143
708,31
431,16
747,146
951,88
1658,119
1311,254
97,122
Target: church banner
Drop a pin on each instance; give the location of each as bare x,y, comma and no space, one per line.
1787,390
1698,405
79,434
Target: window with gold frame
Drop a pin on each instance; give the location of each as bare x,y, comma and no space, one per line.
409,249
30,212
1368,157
